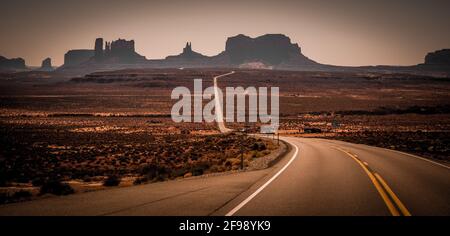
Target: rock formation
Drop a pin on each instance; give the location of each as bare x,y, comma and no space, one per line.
440,57
77,57
118,54
187,54
12,64
46,64
98,49
188,48
107,48
118,51
270,49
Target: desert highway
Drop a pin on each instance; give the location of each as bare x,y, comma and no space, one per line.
315,177
328,177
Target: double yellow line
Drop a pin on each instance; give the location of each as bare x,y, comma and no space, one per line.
393,203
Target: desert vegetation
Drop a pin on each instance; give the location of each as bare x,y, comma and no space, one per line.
33,152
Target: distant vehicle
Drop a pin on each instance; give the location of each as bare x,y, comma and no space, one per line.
310,130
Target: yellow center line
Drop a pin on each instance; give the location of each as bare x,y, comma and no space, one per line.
376,182
393,196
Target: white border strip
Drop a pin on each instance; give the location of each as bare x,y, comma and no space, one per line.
249,198
391,150
418,157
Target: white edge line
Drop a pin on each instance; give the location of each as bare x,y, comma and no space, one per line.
249,198
418,157
399,152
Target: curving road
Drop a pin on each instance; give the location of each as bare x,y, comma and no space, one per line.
335,178
316,177
327,177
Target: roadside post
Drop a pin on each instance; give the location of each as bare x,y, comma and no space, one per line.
242,158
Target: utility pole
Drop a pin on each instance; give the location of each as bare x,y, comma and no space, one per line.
242,159
242,153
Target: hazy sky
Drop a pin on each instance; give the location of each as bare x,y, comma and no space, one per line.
347,32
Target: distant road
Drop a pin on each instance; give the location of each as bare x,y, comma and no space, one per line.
218,108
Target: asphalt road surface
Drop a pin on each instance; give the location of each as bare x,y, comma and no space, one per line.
337,178
317,177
